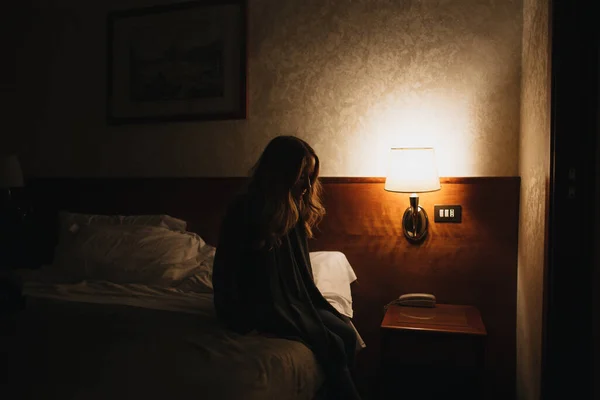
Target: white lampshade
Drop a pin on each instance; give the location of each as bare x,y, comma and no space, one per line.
10,172
412,170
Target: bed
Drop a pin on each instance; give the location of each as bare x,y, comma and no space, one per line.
125,312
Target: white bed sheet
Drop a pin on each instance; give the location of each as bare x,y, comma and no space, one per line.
136,295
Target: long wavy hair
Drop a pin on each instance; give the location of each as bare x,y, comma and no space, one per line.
276,174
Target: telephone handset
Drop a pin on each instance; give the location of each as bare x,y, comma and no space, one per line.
415,300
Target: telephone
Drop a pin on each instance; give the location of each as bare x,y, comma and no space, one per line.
415,300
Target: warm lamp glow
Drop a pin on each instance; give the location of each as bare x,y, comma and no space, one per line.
412,170
407,117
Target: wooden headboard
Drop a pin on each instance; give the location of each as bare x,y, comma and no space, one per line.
474,262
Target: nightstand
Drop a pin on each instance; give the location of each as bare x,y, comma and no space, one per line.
432,352
11,300
19,243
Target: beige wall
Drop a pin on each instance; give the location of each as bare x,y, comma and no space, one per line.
534,168
351,77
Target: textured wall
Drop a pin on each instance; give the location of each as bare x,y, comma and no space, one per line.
534,168
596,287
351,77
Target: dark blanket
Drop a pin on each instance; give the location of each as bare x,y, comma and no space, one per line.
271,291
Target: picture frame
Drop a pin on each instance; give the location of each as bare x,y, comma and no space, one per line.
180,62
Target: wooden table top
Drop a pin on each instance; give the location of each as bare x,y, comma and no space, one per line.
443,318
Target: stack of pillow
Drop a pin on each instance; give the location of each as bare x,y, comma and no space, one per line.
144,249
157,250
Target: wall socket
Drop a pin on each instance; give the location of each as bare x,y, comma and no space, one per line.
447,213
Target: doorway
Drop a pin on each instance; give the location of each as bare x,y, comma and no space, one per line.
568,338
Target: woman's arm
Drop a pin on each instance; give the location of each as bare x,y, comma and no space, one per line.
239,281
228,258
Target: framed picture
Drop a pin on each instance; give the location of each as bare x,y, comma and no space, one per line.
180,62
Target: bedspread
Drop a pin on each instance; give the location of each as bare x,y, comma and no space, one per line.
97,340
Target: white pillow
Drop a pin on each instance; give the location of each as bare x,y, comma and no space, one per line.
69,221
333,275
201,280
148,255
332,272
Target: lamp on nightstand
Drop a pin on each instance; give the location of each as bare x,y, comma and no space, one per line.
413,170
11,177
15,215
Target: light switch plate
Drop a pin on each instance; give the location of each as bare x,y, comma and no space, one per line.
447,213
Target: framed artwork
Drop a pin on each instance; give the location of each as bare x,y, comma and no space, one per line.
180,62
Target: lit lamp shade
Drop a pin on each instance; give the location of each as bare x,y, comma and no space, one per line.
11,175
412,170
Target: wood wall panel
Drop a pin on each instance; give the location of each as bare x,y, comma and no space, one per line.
471,263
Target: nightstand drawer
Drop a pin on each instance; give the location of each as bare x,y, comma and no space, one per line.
430,383
426,348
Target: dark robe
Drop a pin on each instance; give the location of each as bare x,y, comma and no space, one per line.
271,290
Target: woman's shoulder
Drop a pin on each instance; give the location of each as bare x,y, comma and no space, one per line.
239,200
237,206
241,221
244,204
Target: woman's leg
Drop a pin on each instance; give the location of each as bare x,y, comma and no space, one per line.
341,384
344,332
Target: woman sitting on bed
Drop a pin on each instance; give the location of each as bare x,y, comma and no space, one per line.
262,275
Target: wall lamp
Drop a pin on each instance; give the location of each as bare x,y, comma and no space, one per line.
413,170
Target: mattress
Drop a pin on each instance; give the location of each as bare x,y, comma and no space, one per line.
100,340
